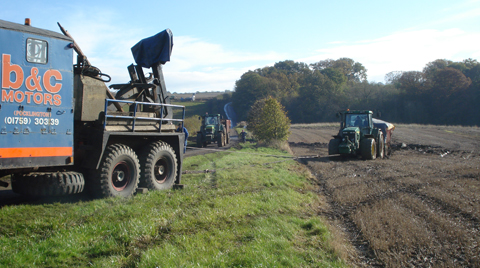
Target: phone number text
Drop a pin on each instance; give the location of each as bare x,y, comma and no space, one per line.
14,120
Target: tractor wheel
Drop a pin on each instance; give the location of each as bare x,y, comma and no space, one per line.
380,146
333,146
368,148
119,172
48,183
228,138
199,140
220,139
159,166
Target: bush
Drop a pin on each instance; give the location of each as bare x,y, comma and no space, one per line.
268,120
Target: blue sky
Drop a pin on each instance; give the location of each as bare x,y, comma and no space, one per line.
217,41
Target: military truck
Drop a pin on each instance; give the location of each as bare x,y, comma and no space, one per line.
63,131
214,129
358,136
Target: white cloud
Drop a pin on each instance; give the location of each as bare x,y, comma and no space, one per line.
195,65
405,51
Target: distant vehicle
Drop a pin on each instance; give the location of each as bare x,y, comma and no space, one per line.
213,129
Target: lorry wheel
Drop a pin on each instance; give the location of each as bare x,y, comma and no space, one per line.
380,146
48,183
159,166
221,140
199,140
368,149
333,146
119,172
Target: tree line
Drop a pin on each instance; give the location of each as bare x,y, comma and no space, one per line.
444,92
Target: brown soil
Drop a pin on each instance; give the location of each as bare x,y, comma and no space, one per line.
418,207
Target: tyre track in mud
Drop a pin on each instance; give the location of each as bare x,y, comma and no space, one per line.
419,174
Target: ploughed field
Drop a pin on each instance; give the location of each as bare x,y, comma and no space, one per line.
418,207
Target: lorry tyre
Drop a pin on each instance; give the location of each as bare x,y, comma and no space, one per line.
119,172
368,149
159,166
199,140
333,146
380,146
220,139
48,183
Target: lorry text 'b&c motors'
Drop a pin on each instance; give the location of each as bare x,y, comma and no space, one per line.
62,130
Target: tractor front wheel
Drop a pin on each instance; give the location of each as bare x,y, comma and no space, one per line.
368,149
333,146
200,140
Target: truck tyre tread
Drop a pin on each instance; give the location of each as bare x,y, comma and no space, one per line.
158,156
117,159
48,183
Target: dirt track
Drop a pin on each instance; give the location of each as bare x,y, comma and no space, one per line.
419,207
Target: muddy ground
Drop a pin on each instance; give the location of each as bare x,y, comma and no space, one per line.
418,207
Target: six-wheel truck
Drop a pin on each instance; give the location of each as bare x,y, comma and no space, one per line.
213,129
62,130
359,135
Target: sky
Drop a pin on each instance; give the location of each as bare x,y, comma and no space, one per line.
215,42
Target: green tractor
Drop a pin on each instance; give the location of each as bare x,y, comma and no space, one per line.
213,129
358,136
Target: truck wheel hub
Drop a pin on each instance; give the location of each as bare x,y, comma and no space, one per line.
160,169
119,175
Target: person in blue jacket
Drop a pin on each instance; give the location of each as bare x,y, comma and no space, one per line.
184,130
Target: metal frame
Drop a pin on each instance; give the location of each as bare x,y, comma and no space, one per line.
134,117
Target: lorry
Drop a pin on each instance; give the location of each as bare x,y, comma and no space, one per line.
62,130
360,134
214,129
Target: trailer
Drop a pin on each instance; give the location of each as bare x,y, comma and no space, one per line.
62,130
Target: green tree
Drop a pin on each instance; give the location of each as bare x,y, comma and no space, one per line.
355,72
269,121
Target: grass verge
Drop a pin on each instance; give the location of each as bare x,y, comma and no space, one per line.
256,210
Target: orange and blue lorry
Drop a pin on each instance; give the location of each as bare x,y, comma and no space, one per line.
62,130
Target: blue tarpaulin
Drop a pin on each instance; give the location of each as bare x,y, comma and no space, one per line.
153,50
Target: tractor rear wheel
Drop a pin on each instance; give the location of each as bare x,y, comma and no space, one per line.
221,139
333,146
380,146
368,148
119,172
159,166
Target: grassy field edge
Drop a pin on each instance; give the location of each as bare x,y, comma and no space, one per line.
259,209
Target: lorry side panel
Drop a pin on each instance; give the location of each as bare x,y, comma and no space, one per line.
36,112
